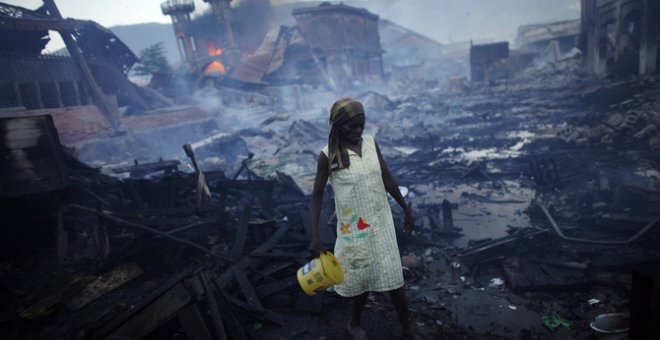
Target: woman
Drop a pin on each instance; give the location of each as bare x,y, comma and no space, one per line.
366,240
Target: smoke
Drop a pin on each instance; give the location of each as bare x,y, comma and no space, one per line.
450,21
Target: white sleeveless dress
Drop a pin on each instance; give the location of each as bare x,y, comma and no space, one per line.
366,241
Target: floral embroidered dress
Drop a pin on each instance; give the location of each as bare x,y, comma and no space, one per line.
366,241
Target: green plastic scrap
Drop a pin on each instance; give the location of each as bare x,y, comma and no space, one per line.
552,322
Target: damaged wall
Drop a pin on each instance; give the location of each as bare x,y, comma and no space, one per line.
620,36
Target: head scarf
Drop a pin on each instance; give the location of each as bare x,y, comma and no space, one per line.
342,110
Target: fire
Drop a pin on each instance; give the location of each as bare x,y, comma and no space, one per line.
213,51
215,68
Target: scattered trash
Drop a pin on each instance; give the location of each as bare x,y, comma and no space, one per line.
610,323
496,282
593,302
552,322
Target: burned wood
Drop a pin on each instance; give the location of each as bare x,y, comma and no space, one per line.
161,310
213,307
248,291
141,170
105,283
266,315
631,239
237,329
245,262
202,186
192,322
481,252
189,227
534,277
145,304
242,231
269,289
295,255
150,230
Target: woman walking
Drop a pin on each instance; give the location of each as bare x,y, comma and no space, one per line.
366,243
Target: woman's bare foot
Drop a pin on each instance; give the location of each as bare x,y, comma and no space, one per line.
356,332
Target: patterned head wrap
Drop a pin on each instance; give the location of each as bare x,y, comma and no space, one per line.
342,110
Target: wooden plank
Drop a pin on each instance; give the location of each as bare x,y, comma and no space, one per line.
105,283
272,268
241,232
243,263
213,308
157,313
266,315
193,323
24,188
237,330
142,227
269,289
29,175
248,291
184,211
284,254
142,304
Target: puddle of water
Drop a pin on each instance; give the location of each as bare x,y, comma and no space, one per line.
481,154
649,173
524,136
406,150
483,211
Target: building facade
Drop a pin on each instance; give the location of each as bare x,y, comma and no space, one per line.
620,36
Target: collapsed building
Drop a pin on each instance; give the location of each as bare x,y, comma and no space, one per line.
86,91
495,61
554,38
336,46
620,37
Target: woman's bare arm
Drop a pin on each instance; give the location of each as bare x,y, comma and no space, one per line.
320,181
393,189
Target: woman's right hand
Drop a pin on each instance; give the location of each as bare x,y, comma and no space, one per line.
315,247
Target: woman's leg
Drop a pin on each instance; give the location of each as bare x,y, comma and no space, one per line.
355,324
401,305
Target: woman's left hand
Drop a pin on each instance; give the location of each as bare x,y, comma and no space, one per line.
409,223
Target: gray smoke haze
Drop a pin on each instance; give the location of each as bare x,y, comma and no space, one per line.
450,21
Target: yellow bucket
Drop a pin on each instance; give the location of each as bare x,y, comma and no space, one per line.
320,273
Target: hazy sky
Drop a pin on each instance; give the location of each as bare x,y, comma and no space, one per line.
443,20
107,12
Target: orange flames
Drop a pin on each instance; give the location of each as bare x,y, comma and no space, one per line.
215,68
212,50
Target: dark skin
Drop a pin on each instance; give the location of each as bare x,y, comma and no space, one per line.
351,138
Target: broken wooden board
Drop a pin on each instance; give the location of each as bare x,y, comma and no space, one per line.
105,283
528,276
158,311
55,301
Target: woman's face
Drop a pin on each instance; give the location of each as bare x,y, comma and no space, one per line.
351,131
